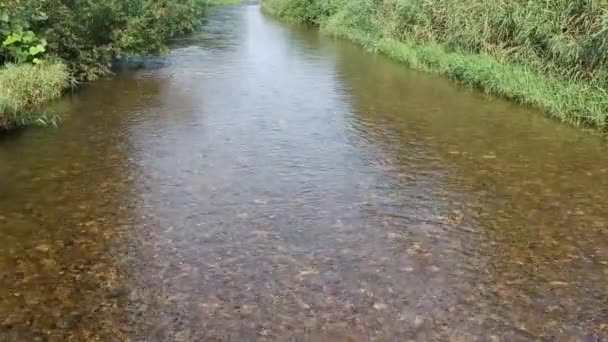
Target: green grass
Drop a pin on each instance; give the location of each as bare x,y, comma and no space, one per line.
506,48
24,88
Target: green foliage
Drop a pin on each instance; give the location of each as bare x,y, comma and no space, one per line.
156,22
18,41
24,46
549,54
308,11
23,88
85,36
90,34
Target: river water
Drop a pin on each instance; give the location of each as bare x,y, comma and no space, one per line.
267,182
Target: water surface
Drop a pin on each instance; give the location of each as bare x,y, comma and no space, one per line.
266,182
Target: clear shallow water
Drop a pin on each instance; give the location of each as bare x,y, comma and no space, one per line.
265,182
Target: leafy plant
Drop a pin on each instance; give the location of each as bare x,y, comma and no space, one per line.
19,22
25,46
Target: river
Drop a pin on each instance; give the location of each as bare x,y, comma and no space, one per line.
266,182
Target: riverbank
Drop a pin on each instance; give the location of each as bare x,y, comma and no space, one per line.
547,58
23,88
47,46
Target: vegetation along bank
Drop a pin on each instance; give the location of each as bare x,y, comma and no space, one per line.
552,55
47,45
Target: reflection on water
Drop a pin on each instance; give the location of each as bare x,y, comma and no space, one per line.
265,182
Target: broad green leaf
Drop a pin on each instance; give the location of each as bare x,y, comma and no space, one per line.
12,39
34,50
28,37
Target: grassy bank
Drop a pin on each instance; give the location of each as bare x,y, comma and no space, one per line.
46,43
23,88
550,55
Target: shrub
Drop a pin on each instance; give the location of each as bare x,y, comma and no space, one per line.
89,34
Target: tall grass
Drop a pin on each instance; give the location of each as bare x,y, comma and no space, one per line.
549,54
23,88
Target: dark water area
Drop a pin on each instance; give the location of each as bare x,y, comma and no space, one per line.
267,182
